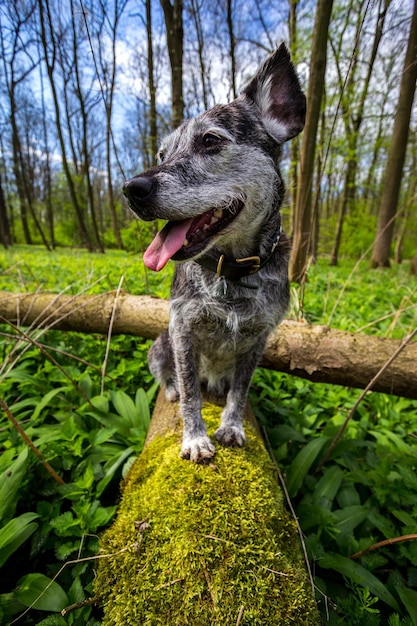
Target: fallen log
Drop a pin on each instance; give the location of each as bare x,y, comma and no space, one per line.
203,544
314,352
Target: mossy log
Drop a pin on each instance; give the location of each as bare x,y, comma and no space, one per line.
203,545
318,353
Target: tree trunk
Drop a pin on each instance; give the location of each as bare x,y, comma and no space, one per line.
108,81
317,353
413,266
232,47
175,39
303,209
45,22
396,155
5,231
203,544
353,119
153,131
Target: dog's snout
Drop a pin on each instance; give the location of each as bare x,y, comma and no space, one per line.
139,189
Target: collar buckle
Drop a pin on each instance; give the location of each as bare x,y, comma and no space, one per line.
256,263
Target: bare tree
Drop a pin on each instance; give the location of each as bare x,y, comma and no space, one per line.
48,36
153,130
353,112
303,209
173,14
397,151
109,21
5,231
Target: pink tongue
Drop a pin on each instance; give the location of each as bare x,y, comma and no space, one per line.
166,244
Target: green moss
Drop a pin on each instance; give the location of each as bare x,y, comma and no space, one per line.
219,539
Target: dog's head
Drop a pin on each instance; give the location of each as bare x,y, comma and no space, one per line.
218,180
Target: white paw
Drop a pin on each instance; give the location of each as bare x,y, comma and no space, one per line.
171,392
197,449
231,436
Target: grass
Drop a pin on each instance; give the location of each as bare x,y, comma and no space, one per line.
364,496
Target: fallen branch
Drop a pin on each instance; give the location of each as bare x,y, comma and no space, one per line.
318,353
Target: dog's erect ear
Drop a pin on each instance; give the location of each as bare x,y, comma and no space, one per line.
276,91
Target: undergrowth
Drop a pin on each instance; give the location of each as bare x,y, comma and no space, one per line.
87,426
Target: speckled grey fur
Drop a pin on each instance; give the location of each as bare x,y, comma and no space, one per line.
218,328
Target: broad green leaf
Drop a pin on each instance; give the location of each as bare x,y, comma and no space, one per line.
350,517
41,592
409,599
358,574
46,400
10,481
348,496
302,463
125,406
15,533
329,483
100,403
111,468
142,408
150,394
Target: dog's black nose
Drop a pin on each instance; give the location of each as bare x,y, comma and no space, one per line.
139,188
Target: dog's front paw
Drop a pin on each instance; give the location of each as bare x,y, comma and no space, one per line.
197,449
231,436
171,391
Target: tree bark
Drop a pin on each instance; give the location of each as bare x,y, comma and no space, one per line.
153,129
188,535
303,209
317,353
47,30
175,40
5,230
397,151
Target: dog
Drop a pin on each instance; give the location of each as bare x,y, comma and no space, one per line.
219,185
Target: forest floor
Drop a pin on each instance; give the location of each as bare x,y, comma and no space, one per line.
85,404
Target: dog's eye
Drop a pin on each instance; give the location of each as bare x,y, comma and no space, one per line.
211,141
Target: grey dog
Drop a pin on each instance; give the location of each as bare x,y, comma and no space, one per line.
218,183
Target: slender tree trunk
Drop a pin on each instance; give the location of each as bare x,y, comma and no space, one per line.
5,231
195,9
353,121
153,131
109,84
303,210
295,143
48,176
44,20
348,199
84,146
413,266
396,155
232,47
175,41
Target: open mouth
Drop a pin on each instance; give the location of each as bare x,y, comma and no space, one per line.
181,240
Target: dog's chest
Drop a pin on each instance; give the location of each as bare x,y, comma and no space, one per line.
223,324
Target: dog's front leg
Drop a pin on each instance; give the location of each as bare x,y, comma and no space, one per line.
231,432
196,445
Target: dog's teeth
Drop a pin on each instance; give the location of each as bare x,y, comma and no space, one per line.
218,213
206,227
213,220
185,242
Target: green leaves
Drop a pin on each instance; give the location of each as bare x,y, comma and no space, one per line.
358,574
10,480
40,592
15,533
302,463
